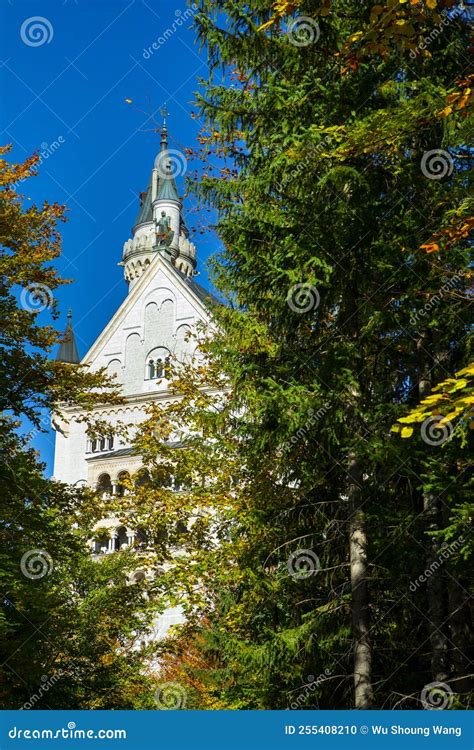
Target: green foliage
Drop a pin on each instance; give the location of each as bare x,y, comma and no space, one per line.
326,185
70,627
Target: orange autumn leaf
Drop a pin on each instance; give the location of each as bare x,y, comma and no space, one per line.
430,247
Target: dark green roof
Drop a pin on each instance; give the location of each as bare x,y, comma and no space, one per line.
68,348
203,294
167,190
146,213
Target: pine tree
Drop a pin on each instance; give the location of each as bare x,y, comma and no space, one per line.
338,137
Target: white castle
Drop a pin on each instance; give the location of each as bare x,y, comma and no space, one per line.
164,303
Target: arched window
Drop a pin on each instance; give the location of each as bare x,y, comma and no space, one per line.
121,538
94,446
157,362
102,444
123,483
110,443
141,539
104,484
167,368
101,542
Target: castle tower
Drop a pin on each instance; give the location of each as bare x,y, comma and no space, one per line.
163,305
68,348
160,226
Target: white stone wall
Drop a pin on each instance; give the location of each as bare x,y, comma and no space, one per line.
155,318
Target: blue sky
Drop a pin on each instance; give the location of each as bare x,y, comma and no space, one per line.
64,78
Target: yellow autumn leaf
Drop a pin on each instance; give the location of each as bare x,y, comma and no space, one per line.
464,99
449,417
458,385
445,112
266,25
431,4
416,416
407,432
469,370
433,398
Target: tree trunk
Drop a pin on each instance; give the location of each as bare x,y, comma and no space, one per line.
435,588
459,623
363,694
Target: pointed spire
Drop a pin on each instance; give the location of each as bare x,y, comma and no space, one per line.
164,137
166,189
68,348
145,213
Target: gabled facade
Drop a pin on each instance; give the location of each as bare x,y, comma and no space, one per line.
163,304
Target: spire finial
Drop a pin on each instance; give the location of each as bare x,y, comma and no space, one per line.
69,314
164,131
